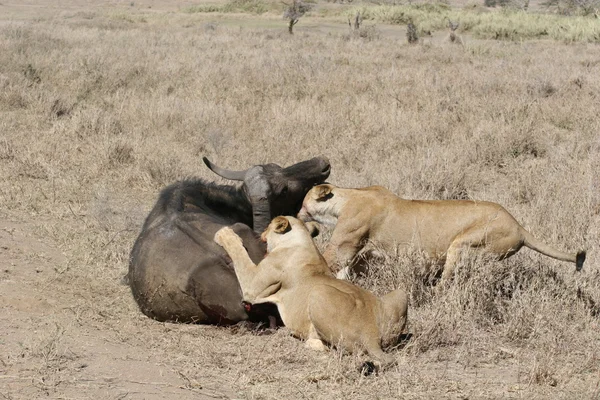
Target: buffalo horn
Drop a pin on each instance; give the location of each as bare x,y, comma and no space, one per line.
225,173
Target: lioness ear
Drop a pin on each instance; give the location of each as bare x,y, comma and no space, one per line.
323,193
313,228
282,225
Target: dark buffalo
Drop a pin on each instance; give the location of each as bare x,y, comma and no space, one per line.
178,273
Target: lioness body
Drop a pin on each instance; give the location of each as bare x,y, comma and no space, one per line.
442,229
313,304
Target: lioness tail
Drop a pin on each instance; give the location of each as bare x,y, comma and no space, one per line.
530,241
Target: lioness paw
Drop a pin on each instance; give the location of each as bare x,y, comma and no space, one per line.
225,235
315,344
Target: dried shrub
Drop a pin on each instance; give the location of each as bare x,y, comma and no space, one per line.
7,150
163,172
32,74
542,88
368,33
573,7
411,33
121,154
60,108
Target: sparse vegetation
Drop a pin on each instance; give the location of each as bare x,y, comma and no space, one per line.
513,22
235,6
357,21
574,7
98,113
453,37
506,25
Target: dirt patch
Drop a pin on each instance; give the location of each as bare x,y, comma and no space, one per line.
49,352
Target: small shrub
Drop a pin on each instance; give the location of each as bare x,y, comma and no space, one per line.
542,88
248,6
369,32
527,146
163,172
542,374
209,27
121,154
7,150
294,12
208,8
13,100
232,6
573,7
453,37
32,74
515,4
432,7
411,33
60,108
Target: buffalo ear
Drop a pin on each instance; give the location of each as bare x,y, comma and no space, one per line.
313,228
282,225
323,192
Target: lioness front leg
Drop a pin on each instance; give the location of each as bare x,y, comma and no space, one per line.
256,282
345,242
343,246
245,269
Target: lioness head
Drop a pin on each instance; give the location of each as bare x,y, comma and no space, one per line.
286,230
320,204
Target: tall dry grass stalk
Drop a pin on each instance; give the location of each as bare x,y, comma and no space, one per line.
100,109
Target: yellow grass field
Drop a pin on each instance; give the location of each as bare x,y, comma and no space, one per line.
103,103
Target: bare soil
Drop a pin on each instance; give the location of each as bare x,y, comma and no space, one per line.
51,351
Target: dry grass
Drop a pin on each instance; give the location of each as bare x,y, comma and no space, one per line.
101,107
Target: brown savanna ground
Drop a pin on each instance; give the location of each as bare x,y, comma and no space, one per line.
104,103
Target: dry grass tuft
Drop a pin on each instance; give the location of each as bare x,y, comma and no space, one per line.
121,153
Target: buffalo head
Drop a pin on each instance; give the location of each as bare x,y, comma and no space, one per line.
273,190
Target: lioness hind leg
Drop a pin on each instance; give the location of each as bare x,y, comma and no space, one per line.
395,318
473,239
380,361
452,257
316,344
314,341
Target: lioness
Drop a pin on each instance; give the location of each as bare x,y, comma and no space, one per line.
442,229
313,304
